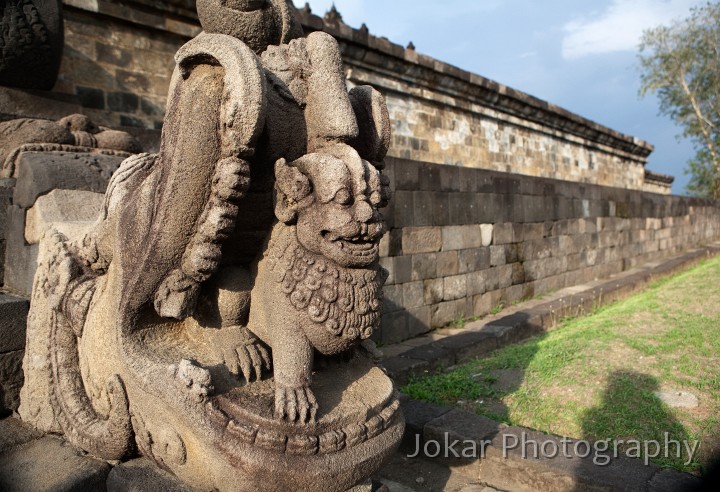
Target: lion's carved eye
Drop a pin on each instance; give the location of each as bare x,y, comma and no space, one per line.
343,197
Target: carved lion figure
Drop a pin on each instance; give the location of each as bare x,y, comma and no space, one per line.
318,285
186,322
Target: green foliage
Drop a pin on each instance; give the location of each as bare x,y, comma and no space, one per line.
497,308
681,64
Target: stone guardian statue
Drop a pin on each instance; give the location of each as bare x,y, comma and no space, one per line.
214,317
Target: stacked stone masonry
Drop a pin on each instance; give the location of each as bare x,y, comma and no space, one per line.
463,241
119,58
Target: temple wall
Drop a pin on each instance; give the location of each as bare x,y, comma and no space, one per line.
498,196
464,241
487,139
118,62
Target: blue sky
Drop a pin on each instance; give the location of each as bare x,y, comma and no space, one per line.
581,55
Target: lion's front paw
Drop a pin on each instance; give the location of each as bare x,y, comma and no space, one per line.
247,360
295,404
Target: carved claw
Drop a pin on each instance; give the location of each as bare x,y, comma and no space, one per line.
295,404
247,360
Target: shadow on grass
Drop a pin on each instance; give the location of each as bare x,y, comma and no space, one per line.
481,384
631,415
477,386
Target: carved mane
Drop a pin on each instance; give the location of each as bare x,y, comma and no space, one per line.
346,301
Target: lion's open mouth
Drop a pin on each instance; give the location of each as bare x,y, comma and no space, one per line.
358,245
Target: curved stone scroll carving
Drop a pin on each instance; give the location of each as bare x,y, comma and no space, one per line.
73,133
217,311
31,43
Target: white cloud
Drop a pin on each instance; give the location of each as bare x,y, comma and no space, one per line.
620,26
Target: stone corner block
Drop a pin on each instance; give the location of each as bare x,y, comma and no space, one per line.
14,432
66,209
11,380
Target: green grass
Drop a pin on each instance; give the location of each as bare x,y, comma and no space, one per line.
595,377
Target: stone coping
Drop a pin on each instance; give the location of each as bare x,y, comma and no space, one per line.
435,75
424,71
450,346
658,177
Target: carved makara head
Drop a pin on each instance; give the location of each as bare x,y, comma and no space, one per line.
334,199
257,23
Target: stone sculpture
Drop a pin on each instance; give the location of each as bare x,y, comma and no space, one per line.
31,43
214,317
73,133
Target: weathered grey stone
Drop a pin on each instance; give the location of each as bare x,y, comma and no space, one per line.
13,318
678,399
424,266
454,287
18,277
401,369
413,294
503,234
467,346
433,291
423,208
249,97
461,237
7,187
497,255
142,475
512,463
447,263
11,380
14,432
38,173
419,320
672,481
49,464
421,240
444,313
436,356
417,414
403,269
33,44
462,438
472,260
69,211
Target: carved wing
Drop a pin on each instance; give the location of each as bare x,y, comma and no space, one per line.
170,236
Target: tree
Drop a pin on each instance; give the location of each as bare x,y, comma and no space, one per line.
681,64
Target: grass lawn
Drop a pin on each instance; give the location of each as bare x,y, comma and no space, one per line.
596,377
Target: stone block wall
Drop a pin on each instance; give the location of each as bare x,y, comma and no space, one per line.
13,313
118,61
445,134
6,192
462,240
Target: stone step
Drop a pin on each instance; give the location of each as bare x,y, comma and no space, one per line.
448,347
50,464
523,460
